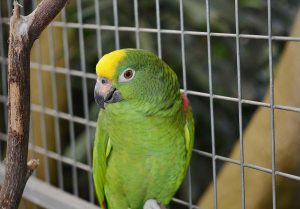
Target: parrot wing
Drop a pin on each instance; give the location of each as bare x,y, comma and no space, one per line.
102,148
189,131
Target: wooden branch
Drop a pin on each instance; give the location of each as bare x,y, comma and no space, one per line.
24,30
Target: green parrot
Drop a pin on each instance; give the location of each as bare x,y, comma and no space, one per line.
145,131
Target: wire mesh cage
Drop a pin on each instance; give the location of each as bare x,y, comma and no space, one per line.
236,60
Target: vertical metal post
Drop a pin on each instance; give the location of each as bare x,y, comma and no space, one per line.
211,104
85,98
240,109
42,113
136,22
116,22
272,117
185,89
98,31
55,104
157,8
70,103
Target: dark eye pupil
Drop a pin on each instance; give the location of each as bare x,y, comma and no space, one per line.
128,74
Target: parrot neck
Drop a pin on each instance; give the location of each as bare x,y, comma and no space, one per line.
144,109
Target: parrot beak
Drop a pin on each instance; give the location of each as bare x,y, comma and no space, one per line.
105,93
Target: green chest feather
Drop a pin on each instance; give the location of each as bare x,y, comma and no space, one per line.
146,157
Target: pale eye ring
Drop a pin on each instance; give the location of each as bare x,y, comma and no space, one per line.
127,75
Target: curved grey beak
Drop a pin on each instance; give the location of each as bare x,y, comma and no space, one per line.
105,93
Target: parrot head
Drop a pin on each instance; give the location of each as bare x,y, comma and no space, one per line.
134,76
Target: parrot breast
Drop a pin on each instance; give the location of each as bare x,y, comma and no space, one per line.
147,160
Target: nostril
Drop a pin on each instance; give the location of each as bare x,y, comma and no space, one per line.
103,81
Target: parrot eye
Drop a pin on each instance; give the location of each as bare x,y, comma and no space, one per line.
127,75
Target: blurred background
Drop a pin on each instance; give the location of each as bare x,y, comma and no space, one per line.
63,63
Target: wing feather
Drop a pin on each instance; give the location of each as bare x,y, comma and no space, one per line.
102,149
189,132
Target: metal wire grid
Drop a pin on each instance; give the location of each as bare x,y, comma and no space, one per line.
71,118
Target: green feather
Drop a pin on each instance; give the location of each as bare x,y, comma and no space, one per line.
187,137
108,148
100,160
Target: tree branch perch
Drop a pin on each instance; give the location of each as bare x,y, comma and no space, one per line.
24,30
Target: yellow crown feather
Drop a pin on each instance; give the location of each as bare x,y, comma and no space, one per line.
107,65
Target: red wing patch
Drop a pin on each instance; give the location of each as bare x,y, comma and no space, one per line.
185,102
